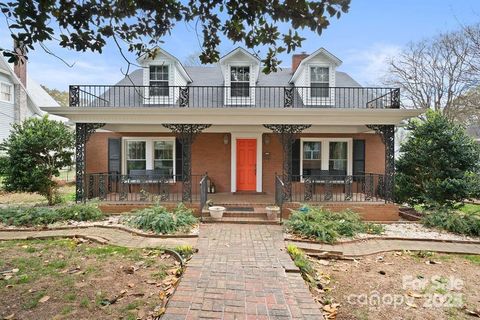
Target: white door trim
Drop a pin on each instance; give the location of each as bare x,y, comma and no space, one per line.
233,171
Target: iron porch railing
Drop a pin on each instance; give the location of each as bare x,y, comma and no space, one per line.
118,96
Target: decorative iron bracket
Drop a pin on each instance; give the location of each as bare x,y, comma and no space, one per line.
186,133
83,131
287,134
387,133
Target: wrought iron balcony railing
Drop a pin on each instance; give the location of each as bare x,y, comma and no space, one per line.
230,97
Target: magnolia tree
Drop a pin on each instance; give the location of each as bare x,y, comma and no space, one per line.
438,163
36,150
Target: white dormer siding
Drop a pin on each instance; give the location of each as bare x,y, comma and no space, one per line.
177,77
239,58
303,75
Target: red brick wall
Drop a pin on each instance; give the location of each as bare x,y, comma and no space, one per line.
210,154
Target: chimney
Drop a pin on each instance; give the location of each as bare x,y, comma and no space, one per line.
296,59
20,67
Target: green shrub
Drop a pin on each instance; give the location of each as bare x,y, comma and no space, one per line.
467,223
326,225
33,216
159,220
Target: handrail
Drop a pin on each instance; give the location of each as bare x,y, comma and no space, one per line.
203,193
279,194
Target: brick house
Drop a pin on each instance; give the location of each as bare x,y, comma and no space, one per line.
166,132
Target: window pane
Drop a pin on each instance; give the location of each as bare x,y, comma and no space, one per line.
159,73
163,150
163,167
240,74
136,165
338,158
319,74
136,150
5,92
312,158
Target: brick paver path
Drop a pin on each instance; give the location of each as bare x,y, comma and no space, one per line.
367,247
240,273
107,235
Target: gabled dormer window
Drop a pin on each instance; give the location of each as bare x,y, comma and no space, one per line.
159,81
319,82
240,81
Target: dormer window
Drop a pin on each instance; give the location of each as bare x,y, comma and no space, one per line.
319,82
240,81
159,81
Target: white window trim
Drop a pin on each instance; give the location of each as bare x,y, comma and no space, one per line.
164,100
325,152
309,100
246,101
149,153
233,169
11,92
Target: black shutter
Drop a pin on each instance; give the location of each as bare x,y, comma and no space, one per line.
178,159
296,160
114,155
358,157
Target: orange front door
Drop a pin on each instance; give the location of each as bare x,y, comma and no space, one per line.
246,164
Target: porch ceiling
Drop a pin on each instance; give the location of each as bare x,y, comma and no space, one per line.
235,116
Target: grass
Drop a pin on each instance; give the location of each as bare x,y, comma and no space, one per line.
33,302
327,226
473,259
66,193
162,221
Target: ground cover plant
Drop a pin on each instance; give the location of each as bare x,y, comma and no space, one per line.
34,216
459,221
163,221
78,279
327,226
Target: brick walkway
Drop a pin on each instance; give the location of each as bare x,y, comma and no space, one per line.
240,273
367,247
106,235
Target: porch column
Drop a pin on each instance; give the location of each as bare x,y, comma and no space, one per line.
387,133
186,133
287,134
83,131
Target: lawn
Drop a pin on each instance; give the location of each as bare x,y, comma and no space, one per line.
72,279
408,285
67,192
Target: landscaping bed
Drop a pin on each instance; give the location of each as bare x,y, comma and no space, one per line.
408,285
78,279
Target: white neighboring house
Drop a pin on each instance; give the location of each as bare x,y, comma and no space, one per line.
20,97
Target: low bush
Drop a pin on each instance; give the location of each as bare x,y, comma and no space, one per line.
466,223
32,216
327,226
159,220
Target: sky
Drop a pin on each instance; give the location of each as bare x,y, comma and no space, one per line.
363,39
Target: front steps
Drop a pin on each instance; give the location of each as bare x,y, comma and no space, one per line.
239,216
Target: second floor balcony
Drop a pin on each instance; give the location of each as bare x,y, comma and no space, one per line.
131,96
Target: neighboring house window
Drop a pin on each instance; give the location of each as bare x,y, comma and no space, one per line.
136,155
312,157
159,81
338,157
319,82
6,93
163,157
332,155
240,81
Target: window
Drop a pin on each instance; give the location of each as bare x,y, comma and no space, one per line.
163,157
319,82
136,155
240,81
6,92
159,81
312,158
332,156
338,157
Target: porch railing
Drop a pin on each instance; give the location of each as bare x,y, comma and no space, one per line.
367,187
140,188
231,97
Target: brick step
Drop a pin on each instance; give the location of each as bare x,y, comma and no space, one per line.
241,220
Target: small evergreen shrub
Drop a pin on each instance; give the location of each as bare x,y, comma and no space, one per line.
467,223
327,226
33,216
159,220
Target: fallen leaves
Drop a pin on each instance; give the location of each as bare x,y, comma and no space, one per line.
44,299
